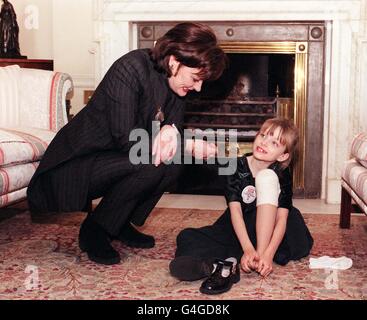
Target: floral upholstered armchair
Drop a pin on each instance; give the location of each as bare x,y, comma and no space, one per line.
32,110
354,180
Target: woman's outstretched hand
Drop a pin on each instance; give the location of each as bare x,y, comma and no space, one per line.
165,145
202,149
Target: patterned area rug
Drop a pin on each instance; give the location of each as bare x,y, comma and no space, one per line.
42,261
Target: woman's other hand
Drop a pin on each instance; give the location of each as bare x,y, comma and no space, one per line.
165,145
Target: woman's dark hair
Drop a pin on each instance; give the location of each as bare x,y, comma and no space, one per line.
193,45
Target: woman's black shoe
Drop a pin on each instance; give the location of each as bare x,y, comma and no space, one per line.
94,240
225,274
187,268
133,238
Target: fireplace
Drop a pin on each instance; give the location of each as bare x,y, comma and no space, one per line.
255,87
335,32
265,79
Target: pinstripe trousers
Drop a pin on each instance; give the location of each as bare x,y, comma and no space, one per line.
129,192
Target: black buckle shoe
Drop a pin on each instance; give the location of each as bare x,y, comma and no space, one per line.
134,238
225,274
95,242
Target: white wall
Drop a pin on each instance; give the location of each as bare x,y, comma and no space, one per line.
73,42
62,31
35,37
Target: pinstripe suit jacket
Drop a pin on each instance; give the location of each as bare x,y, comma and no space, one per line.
128,97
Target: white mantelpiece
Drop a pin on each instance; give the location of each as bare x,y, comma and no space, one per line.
345,111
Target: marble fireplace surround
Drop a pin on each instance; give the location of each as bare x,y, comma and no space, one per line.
345,72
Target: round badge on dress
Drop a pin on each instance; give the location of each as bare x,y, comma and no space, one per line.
249,194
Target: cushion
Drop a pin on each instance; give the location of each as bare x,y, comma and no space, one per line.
23,145
36,91
17,177
9,95
10,198
359,148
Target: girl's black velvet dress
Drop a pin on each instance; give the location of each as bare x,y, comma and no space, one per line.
220,241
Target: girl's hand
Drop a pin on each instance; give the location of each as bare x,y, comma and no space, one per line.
265,265
249,260
165,145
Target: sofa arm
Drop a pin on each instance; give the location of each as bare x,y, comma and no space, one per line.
359,148
63,90
43,97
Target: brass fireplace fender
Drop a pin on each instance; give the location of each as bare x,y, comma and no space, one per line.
299,112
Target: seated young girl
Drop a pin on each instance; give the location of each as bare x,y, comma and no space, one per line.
260,224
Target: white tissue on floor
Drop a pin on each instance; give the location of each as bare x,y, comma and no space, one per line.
326,262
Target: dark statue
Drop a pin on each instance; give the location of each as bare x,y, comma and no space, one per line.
9,32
